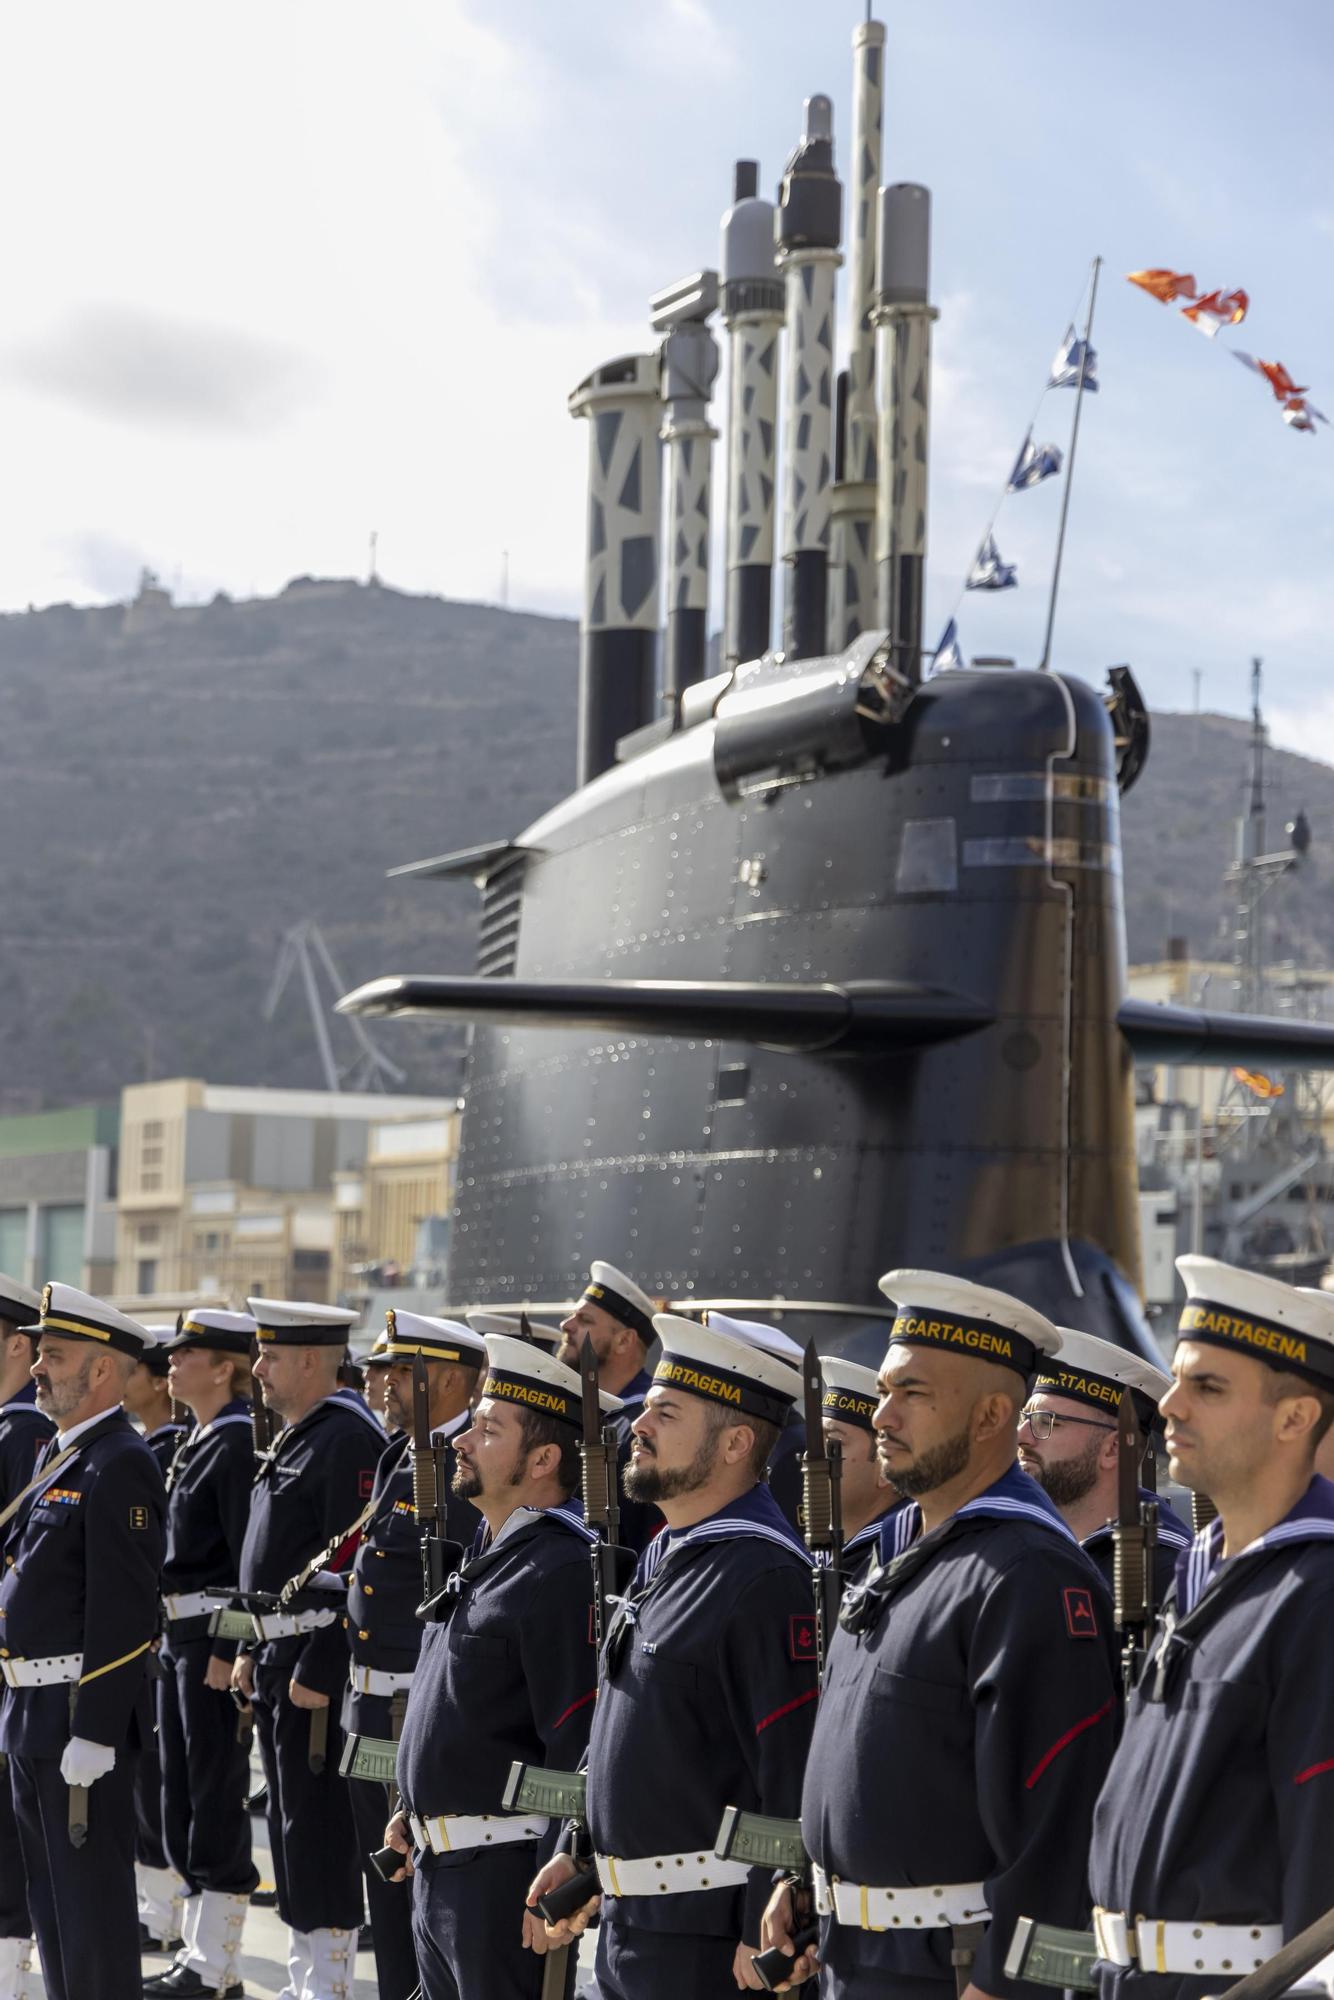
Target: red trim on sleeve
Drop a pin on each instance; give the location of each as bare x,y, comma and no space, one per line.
1313,1771
574,1706
787,1708
1062,1742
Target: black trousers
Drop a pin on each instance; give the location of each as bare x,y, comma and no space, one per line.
84,1906
311,1831
205,1777
635,1964
467,1919
148,1847
389,1903
860,1965
15,1921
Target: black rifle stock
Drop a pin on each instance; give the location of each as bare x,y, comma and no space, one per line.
1134,1539
439,1556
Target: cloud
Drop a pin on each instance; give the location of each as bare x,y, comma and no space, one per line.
147,368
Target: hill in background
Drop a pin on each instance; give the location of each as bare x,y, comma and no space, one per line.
182,785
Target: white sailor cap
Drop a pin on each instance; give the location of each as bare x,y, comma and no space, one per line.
520,1373
75,1315
701,1361
19,1303
513,1326
1088,1370
211,1326
769,1339
621,1297
1282,1325
299,1323
407,1334
851,1391
936,1309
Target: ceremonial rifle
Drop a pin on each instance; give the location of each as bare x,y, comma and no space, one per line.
1134,1539
263,1421
439,1556
822,1509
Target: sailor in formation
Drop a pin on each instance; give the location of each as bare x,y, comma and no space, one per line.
23,1433
851,1398
1211,1841
711,1661
969,1703
616,1314
507,1672
311,1498
203,1748
387,1587
1068,1443
78,1617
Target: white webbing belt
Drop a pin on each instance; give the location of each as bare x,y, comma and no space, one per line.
46,1672
1160,1944
668,1874
193,1604
933,1906
455,1833
372,1680
286,1624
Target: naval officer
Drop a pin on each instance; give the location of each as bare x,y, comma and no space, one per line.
205,1768
78,1612
969,1701
709,1668
507,1673
1067,1442
387,1586
848,1406
23,1432
311,1495
1211,1840
616,1314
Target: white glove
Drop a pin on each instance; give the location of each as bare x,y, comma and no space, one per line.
84,1762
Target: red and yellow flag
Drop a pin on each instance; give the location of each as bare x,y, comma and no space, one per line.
1258,1084
1216,309
1165,285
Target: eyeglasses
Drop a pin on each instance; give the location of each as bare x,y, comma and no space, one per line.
1043,1422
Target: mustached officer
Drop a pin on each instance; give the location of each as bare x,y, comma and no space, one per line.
161,1889
1211,1840
387,1586
205,1768
711,1661
310,1498
1067,1442
23,1432
974,1663
79,1613
851,1398
507,1673
617,1316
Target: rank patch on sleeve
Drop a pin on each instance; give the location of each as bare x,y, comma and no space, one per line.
139,1517
801,1636
1080,1618
365,1481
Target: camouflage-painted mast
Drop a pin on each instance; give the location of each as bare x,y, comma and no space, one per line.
619,631
852,572
903,318
810,222
753,315
689,367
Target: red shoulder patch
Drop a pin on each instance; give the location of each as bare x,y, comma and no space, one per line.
365,1482
1081,1621
801,1635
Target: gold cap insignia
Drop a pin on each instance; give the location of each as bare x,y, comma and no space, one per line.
46,1300
390,1321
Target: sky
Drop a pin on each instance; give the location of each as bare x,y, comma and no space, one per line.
280,275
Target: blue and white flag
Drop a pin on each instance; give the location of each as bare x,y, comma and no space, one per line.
948,652
1035,463
1070,357
989,572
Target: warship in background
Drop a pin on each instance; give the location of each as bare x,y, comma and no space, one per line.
821,968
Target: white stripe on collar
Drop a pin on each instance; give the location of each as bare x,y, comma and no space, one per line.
715,1531
1207,1548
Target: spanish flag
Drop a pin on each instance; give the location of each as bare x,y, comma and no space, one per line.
1165,285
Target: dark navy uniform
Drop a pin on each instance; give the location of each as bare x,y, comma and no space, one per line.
149,1847
965,1726
385,1637
1217,1808
510,1673
1173,1537
82,1563
309,1488
204,1768
710,1667
23,1432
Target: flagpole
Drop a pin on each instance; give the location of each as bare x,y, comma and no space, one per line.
1045,662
